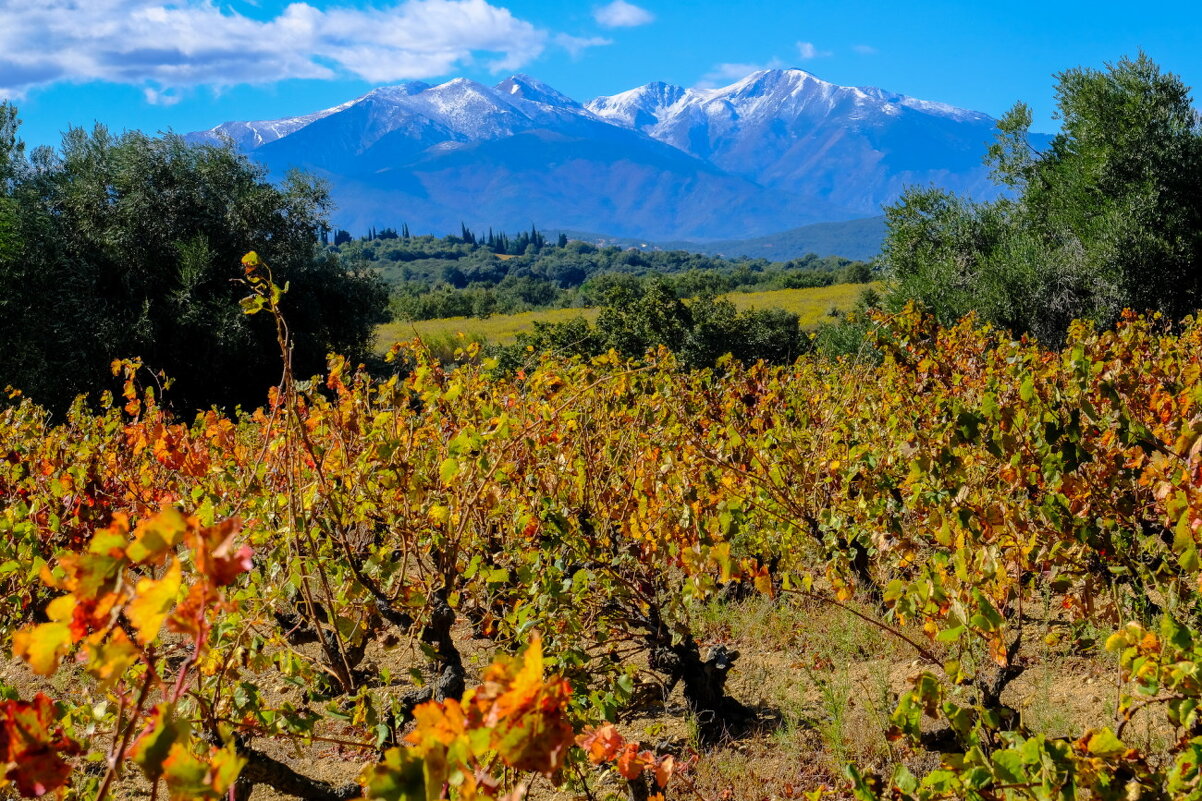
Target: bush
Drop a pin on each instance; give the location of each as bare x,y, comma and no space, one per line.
639,317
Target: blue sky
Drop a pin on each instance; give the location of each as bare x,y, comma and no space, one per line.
190,64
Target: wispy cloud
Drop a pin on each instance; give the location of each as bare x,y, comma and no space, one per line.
163,47
808,50
620,14
155,97
864,50
727,72
576,45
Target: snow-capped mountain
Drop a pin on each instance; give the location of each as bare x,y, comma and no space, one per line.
789,130
766,94
249,135
459,110
775,150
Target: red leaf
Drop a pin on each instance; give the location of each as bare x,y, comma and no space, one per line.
216,554
33,746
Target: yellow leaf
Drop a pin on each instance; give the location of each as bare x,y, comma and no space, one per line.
108,660
156,536
61,609
43,646
152,603
224,766
763,583
185,774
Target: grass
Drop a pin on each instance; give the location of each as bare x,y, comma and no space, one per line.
499,329
810,305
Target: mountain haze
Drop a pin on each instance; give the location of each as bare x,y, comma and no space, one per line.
778,149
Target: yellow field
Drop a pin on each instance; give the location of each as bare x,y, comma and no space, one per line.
811,305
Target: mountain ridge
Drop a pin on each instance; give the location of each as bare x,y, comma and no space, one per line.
768,153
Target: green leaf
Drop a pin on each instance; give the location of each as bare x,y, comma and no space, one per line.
400,776
151,749
448,470
950,635
1104,744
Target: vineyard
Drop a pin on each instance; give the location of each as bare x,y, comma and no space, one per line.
460,584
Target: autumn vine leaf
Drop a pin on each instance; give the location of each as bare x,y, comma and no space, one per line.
606,745
516,714
153,601
33,747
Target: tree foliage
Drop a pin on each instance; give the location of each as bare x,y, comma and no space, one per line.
127,246
1107,218
460,276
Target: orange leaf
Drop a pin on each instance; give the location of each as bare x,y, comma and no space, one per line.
664,770
217,556
632,762
602,744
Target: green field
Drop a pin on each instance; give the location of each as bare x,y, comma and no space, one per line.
811,305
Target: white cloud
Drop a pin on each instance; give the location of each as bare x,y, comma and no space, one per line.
864,50
156,98
576,45
807,51
620,14
164,45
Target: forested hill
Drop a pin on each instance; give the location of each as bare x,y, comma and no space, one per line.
478,275
851,239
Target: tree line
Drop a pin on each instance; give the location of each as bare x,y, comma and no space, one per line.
122,246
465,276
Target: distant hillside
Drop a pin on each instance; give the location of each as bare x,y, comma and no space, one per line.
852,239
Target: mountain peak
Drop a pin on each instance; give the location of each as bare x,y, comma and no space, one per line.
639,107
523,86
460,84
777,75
775,83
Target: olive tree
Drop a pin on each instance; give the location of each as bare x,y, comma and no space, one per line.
1107,217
